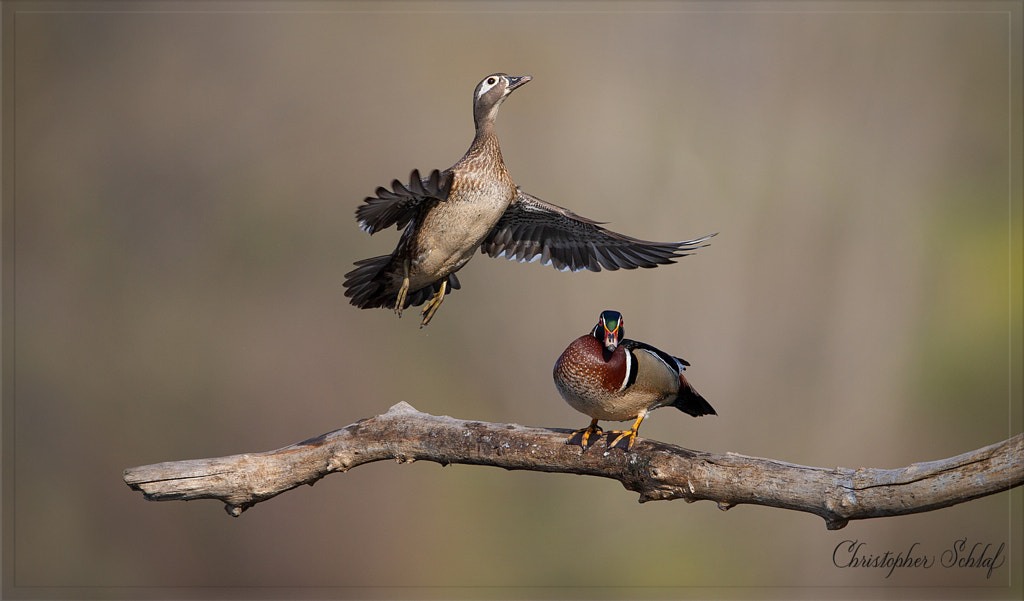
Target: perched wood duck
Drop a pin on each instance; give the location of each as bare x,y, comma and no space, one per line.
474,204
609,377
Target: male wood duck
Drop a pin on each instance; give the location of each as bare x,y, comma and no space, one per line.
474,204
609,377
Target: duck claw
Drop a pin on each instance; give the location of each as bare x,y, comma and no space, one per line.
619,435
585,434
435,302
403,291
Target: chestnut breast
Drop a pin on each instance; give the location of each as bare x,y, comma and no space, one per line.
593,386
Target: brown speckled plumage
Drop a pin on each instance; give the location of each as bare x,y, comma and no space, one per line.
589,382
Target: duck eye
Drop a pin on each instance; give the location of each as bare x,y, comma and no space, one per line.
491,81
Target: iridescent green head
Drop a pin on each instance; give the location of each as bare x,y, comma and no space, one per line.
609,329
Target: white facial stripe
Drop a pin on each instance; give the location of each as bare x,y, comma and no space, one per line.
488,83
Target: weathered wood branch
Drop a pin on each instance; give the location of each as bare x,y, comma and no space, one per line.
656,470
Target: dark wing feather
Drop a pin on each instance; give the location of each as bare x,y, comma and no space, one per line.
672,362
531,228
398,205
687,400
373,283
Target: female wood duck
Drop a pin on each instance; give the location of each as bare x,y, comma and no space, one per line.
609,377
475,204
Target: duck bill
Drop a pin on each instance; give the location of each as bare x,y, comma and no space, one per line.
611,339
514,81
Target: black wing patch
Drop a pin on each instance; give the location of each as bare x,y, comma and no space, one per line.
399,205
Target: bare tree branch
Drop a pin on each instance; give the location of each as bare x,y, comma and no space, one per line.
656,470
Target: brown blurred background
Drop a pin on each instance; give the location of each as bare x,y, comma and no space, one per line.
181,186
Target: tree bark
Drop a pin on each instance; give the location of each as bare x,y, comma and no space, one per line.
656,470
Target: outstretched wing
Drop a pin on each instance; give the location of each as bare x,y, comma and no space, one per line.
398,205
531,228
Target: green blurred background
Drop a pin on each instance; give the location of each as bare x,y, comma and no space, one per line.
179,215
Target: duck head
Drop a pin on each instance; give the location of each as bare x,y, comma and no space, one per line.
491,92
609,330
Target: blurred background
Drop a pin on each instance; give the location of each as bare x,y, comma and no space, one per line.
184,178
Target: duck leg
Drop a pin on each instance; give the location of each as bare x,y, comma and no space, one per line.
435,302
586,433
404,290
631,433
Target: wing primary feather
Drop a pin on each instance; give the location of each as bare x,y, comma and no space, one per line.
416,184
533,229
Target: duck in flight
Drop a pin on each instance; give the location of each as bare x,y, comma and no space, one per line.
446,216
